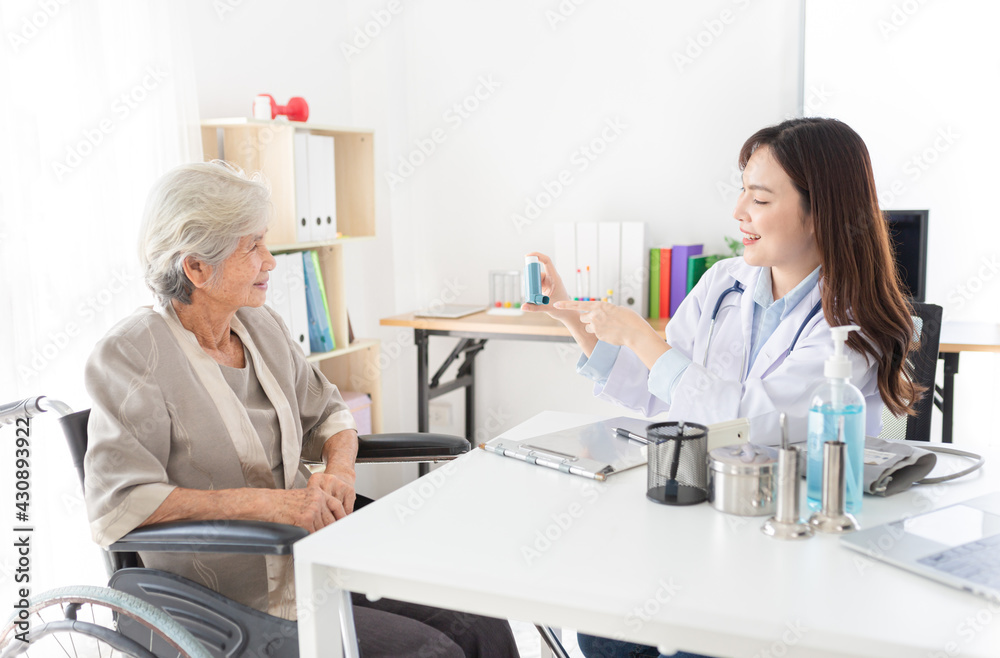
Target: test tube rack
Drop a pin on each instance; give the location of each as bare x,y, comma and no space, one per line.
506,292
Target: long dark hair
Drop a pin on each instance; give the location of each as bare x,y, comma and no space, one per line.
829,165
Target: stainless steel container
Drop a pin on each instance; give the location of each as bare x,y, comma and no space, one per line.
741,479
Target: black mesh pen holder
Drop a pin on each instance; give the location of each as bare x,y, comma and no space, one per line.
677,470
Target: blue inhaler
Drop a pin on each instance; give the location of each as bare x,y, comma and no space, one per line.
533,282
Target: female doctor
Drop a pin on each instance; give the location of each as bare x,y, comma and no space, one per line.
751,338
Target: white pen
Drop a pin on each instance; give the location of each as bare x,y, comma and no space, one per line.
631,436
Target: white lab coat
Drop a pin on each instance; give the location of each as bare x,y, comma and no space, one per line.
777,382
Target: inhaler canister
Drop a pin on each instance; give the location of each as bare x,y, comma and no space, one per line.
533,282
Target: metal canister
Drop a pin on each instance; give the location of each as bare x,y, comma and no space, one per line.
741,479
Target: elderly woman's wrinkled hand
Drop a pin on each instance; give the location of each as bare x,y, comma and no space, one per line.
339,484
311,508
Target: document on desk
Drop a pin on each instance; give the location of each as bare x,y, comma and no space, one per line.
593,450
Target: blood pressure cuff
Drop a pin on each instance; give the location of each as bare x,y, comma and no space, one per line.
893,466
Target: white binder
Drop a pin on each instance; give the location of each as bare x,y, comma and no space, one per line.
586,256
295,278
634,268
330,173
609,262
564,255
277,289
301,173
322,188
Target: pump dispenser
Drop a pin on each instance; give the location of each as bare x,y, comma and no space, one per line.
837,412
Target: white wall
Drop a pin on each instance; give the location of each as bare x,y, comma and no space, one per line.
917,81
927,111
552,90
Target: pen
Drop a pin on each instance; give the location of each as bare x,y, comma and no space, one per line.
631,436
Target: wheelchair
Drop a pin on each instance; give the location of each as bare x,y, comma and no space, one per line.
147,613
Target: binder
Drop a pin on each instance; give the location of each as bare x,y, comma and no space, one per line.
277,290
295,279
698,265
329,213
320,334
592,450
666,281
300,148
609,249
564,255
678,275
634,268
654,283
586,256
320,183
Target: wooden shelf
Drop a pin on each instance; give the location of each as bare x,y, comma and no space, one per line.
268,147
303,246
357,346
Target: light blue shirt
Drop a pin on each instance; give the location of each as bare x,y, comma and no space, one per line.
667,371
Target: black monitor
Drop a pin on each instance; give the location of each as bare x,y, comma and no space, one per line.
908,231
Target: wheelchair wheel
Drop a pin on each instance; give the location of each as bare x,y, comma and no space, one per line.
82,621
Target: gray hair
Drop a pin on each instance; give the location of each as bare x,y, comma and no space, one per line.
200,210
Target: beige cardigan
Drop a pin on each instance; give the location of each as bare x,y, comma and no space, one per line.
163,416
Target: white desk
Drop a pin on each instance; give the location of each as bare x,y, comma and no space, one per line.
570,552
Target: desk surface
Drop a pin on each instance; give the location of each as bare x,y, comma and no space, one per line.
955,336
970,337
526,324
575,553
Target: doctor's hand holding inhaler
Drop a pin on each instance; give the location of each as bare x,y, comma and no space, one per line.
751,339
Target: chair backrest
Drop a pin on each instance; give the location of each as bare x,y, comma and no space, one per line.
75,428
922,363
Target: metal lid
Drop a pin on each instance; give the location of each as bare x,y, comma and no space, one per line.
744,459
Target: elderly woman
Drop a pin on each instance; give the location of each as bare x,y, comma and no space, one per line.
203,406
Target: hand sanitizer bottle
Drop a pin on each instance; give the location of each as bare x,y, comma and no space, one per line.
837,413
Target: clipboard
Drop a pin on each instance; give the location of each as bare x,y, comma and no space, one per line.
592,450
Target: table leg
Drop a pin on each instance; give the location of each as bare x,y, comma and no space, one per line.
470,397
948,395
423,391
320,614
551,641
423,385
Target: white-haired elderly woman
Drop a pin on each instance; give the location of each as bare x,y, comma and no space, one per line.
203,406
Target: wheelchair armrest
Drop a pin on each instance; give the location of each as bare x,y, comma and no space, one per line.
246,537
411,446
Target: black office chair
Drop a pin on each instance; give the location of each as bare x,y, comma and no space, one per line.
227,629
922,363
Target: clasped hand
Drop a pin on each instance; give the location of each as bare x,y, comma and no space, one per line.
328,497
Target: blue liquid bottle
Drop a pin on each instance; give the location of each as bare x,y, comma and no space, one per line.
837,412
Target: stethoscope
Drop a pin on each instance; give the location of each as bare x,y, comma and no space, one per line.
739,289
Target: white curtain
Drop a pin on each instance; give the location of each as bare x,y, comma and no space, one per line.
97,100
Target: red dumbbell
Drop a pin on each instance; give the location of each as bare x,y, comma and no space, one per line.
296,110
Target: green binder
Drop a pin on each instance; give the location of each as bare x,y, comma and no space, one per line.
698,265
654,283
